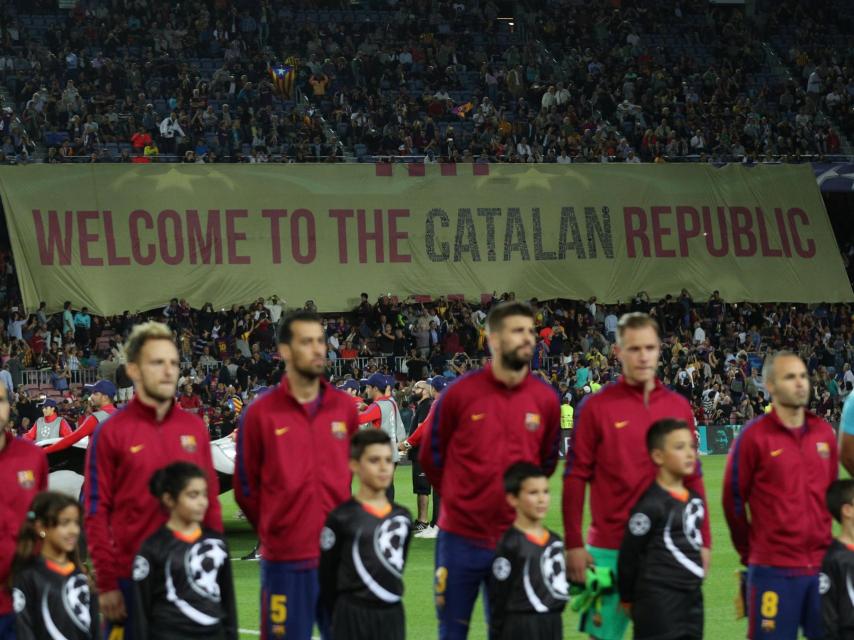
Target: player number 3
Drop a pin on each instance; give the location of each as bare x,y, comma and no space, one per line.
770,600
278,608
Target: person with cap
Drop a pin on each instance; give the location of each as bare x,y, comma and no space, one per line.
383,413
435,386
101,396
23,474
352,388
50,426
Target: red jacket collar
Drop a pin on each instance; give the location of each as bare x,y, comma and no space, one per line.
285,387
631,388
491,373
148,412
810,419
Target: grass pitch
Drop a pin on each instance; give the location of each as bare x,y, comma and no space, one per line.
719,591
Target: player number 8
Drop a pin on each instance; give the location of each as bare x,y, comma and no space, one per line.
278,609
770,600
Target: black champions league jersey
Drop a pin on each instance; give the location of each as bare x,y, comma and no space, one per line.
54,603
662,543
183,587
836,585
528,576
363,553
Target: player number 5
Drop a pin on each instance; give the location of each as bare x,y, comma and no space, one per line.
278,608
770,600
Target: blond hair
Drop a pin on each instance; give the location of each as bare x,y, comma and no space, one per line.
141,334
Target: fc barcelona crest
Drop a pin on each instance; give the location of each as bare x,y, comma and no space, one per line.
27,479
188,443
532,421
339,430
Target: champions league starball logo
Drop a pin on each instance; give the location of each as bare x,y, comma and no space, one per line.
202,563
694,514
553,568
76,600
389,540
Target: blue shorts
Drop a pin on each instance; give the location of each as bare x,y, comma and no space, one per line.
7,627
780,600
290,601
463,567
124,630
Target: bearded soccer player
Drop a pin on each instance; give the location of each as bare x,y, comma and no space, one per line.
778,473
608,451
23,473
291,470
482,423
150,432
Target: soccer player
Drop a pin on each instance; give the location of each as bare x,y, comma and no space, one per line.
291,470
182,573
608,451
23,473
482,423
529,585
51,592
124,452
659,569
834,584
101,396
51,425
780,467
364,547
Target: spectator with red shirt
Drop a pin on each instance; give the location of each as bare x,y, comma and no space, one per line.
190,400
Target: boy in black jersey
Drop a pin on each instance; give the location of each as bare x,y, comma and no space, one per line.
529,584
182,573
660,571
363,549
837,571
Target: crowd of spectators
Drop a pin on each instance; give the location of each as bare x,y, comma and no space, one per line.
561,81
712,354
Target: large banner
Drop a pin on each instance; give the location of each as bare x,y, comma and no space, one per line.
116,237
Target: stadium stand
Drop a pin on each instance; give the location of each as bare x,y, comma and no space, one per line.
713,348
562,81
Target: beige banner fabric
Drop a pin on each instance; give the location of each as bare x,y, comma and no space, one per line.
120,237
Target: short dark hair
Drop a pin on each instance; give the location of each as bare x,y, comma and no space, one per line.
517,473
839,493
659,431
503,310
366,438
300,315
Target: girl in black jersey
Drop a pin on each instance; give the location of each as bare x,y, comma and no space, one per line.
51,594
182,573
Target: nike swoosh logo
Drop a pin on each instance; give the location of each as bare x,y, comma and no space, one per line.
776,453
477,416
136,448
282,431
621,424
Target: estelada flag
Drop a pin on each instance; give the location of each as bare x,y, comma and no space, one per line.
284,76
462,109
